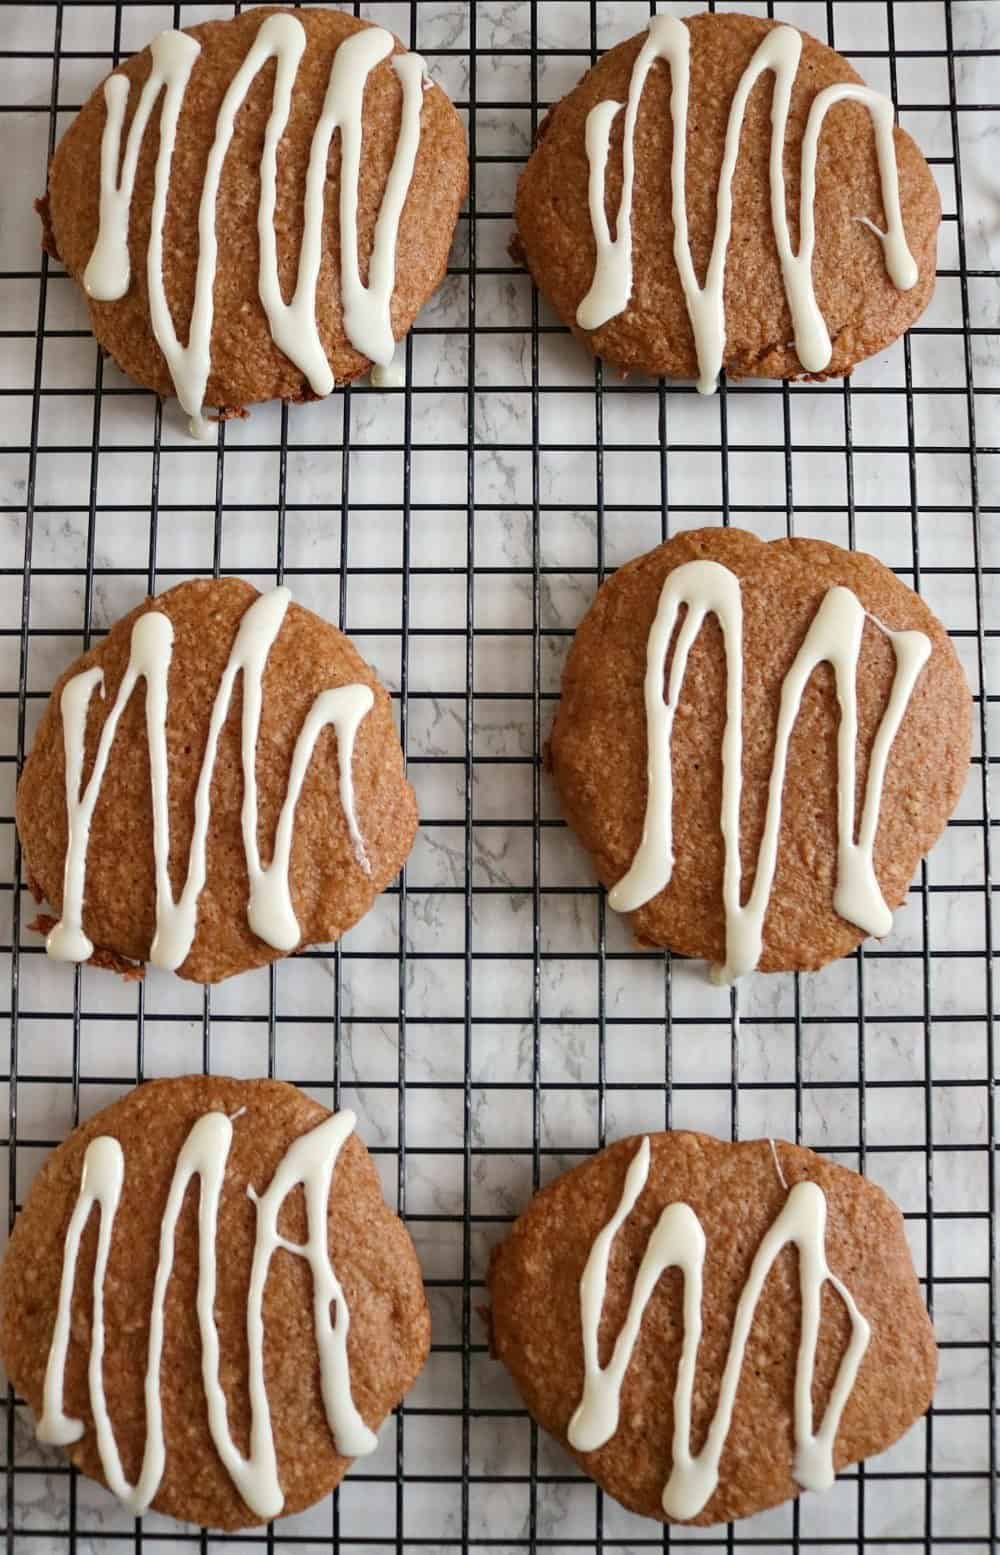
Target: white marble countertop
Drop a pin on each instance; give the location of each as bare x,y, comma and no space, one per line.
490,1022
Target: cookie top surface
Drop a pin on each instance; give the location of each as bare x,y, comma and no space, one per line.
791,605
263,1148
406,147
733,1208
332,828
742,308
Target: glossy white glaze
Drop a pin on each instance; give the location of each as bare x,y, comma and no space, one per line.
310,1161
611,288
269,910
834,637
294,326
678,1242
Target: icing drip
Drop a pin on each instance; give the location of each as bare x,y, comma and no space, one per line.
310,1161
390,376
366,308
108,271
293,325
834,637
269,910
611,287
678,1242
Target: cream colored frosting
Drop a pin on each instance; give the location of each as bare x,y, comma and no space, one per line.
611,288
269,910
294,326
678,1242
834,637
310,1162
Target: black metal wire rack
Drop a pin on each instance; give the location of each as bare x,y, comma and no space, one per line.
489,1021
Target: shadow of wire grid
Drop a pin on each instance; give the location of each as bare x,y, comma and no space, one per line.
489,1021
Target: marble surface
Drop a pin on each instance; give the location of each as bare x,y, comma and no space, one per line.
477,992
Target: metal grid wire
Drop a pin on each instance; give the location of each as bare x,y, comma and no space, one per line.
489,1021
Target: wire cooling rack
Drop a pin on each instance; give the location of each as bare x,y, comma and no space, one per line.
489,1020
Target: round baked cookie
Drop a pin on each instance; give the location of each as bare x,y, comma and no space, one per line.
595,1304
660,283
302,1315
700,756
271,92
235,794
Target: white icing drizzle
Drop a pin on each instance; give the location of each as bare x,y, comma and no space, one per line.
310,1161
269,910
293,325
611,287
173,54
678,1242
834,637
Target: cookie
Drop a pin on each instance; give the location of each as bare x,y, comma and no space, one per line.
726,803
726,192
289,184
246,800
221,1390
789,1339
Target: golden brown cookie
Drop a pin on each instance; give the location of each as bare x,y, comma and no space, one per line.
302,1315
611,268
850,819
293,90
236,793
596,1298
